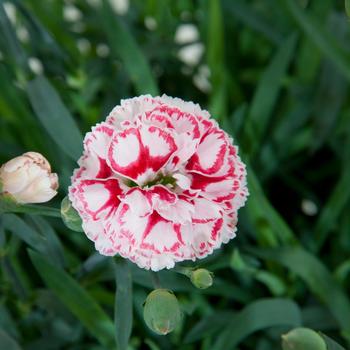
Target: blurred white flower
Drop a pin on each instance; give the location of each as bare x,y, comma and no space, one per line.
309,207
191,54
28,178
186,33
94,3
121,7
201,79
102,50
71,13
84,45
22,34
10,10
35,65
150,23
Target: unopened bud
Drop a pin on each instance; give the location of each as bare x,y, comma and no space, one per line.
28,179
201,278
161,311
303,339
70,216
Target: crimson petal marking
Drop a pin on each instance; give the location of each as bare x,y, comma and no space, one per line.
160,235
98,140
210,154
174,118
94,231
97,198
169,206
158,118
127,227
91,167
130,108
205,211
216,188
206,237
139,201
137,153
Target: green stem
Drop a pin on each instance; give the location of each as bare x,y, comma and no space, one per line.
183,270
36,210
155,280
8,205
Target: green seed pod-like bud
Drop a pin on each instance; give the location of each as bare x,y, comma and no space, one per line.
161,311
303,339
201,278
70,216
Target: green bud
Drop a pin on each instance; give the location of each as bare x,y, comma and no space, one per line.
303,339
201,278
70,216
161,311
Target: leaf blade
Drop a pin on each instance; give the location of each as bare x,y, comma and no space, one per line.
260,314
55,117
76,299
316,276
123,303
124,45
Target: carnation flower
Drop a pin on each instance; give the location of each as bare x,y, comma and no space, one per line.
28,178
158,182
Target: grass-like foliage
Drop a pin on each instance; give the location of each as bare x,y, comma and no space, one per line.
275,74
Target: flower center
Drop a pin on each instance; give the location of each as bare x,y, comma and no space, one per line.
165,180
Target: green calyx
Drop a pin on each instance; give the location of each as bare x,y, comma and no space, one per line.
70,216
162,311
303,339
164,180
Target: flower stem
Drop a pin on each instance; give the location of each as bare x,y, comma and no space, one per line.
155,280
8,205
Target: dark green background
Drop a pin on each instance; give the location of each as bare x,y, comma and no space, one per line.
279,84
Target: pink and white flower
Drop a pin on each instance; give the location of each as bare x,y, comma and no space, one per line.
159,182
28,178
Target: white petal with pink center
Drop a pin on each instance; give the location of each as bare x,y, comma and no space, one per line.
159,182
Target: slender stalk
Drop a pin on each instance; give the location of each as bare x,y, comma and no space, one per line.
155,280
8,205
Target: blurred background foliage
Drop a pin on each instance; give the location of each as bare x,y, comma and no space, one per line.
274,73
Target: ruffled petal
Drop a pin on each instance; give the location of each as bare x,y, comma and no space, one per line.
95,199
139,153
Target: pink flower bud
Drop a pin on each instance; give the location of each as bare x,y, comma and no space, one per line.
28,178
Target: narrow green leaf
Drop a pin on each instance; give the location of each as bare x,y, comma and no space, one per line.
8,205
266,94
319,37
270,226
216,59
124,45
10,41
23,231
8,343
259,315
331,344
209,325
318,317
54,248
55,117
333,207
76,299
347,7
251,18
123,303
316,276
